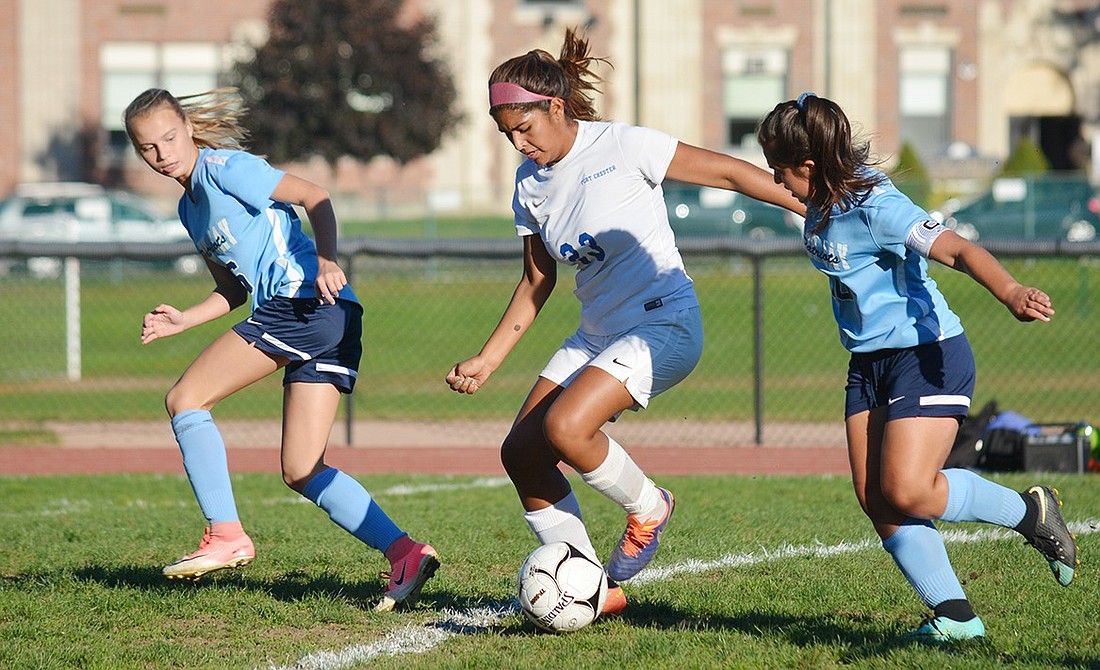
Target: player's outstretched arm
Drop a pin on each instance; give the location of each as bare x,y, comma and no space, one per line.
695,165
1026,303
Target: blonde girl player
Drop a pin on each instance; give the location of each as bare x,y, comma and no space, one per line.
589,196
911,375
305,320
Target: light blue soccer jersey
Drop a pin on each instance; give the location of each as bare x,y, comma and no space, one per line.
882,295
233,221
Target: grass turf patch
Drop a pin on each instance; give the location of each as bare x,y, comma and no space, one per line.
754,572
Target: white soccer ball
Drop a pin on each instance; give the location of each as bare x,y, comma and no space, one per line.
560,589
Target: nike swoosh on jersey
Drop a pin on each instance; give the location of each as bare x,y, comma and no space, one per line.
616,361
891,401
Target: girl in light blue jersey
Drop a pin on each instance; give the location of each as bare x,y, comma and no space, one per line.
911,374
305,320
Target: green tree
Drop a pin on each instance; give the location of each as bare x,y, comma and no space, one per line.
353,78
1026,159
911,177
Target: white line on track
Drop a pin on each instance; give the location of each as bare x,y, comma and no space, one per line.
418,639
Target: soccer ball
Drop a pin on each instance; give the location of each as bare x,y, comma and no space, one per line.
560,588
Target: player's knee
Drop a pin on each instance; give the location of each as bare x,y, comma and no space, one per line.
563,430
179,399
513,456
906,497
521,455
296,478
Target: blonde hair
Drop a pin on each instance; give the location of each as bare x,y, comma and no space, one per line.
215,115
570,77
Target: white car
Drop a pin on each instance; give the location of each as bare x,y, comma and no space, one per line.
75,213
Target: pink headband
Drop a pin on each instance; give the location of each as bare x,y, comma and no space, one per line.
505,93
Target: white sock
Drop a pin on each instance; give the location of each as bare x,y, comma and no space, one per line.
621,480
562,522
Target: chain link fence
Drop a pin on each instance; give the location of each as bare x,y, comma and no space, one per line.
772,371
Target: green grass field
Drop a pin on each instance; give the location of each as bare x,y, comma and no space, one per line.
755,572
423,316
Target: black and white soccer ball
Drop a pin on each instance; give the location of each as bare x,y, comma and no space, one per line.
560,588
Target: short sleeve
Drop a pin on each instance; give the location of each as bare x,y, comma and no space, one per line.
525,225
922,235
249,178
650,150
895,217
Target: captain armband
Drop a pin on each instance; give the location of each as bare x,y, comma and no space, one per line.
922,235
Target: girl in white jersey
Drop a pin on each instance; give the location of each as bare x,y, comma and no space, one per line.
305,320
589,195
911,375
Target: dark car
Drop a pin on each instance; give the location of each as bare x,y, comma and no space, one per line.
700,211
1029,208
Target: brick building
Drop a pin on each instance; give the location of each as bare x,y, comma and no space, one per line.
960,80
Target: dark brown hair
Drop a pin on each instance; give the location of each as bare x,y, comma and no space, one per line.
816,129
569,77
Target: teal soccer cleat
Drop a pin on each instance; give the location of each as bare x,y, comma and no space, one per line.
940,630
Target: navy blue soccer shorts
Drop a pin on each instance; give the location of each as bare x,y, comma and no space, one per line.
933,379
323,341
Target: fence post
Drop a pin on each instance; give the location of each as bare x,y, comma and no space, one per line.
758,345
348,404
72,319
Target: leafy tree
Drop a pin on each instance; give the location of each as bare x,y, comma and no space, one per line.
911,177
1026,159
347,78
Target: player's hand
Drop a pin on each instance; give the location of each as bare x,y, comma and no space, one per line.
330,280
163,321
1029,304
467,376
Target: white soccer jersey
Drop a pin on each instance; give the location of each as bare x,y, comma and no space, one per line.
601,209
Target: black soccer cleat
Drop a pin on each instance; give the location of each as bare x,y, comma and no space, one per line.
1050,535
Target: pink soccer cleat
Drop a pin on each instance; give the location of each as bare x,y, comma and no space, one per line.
411,565
215,552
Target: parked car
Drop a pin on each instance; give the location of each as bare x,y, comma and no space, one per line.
1029,208
75,212
702,211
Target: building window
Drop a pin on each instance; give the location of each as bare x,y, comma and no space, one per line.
753,82
925,97
128,68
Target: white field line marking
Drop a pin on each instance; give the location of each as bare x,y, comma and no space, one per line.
413,639
63,506
950,536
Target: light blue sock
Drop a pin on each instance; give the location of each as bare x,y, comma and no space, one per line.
971,497
204,460
350,506
917,548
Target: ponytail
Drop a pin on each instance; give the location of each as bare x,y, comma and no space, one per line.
816,129
570,77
